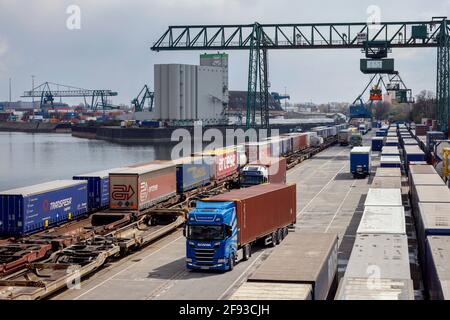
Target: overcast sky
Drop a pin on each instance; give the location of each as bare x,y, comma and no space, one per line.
112,48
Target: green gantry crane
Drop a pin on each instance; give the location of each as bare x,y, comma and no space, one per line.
144,96
259,38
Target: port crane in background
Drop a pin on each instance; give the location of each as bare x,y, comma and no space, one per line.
259,38
144,100
361,109
278,97
48,91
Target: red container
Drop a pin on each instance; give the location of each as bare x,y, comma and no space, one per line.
422,129
137,188
262,209
224,160
303,141
295,138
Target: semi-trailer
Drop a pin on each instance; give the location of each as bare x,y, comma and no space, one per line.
138,188
303,267
259,172
223,227
35,208
97,187
344,136
377,143
360,161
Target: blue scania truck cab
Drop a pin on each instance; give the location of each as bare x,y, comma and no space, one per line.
211,236
222,229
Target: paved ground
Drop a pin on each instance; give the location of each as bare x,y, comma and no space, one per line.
329,200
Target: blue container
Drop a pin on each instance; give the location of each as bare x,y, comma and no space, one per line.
32,209
360,161
414,154
149,124
392,143
377,143
381,133
98,188
193,174
390,162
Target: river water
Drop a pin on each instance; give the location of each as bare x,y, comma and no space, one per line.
27,159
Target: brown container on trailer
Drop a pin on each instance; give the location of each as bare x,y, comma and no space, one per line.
137,188
262,209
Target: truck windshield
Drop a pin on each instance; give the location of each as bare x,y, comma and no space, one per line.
205,233
251,180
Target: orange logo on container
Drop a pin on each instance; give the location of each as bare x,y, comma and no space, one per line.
122,192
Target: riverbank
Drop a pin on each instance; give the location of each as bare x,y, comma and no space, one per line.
35,127
164,135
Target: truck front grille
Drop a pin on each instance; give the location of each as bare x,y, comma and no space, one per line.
204,256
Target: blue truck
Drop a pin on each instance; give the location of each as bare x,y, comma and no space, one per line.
360,162
31,209
222,229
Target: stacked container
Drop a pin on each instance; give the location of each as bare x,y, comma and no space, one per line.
381,249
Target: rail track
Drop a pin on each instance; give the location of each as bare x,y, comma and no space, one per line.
39,265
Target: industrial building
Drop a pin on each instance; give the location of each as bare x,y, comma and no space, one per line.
188,93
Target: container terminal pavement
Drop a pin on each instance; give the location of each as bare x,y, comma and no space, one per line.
329,201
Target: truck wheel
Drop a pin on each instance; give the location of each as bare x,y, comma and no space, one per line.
280,235
274,239
247,252
285,232
231,262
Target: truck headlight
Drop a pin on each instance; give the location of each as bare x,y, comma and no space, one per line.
221,260
188,260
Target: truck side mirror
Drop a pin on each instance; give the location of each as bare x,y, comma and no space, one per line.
228,231
184,231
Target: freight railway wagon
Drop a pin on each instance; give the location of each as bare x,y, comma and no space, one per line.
30,209
430,199
380,249
303,267
147,185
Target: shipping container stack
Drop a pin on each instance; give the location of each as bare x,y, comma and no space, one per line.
309,274
381,244
430,199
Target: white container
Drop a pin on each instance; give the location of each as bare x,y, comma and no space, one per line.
383,289
384,197
384,256
273,291
382,220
